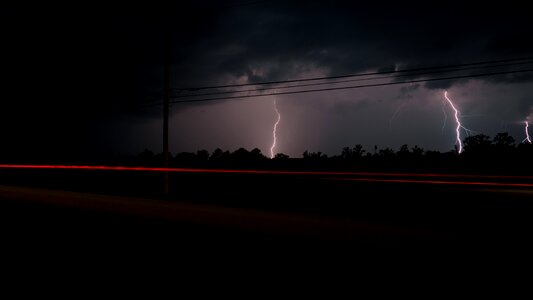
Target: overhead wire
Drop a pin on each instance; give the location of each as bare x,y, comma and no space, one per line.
346,81
354,75
354,87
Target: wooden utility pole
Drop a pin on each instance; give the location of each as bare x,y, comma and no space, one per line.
166,103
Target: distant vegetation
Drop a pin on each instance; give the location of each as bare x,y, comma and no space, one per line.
501,154
481,153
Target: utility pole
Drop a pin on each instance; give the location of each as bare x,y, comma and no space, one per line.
166,103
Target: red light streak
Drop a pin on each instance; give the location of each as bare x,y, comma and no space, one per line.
266,172
499,184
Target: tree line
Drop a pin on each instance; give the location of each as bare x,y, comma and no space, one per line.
480,152
501,153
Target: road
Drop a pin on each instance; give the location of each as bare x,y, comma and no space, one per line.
363,211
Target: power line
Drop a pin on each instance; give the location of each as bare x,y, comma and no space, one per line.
353,87
350,80
352,75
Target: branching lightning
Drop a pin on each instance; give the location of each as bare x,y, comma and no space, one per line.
459,125
274,130
528,139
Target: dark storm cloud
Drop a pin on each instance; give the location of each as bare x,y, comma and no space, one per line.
69,75
406,91
345,37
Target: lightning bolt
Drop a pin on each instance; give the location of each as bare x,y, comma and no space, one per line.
274,130
458,122
528,139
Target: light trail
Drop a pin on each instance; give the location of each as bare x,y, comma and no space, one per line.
265,172
498,184
274,130
374,177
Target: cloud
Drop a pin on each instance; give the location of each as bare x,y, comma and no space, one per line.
94,69
347,38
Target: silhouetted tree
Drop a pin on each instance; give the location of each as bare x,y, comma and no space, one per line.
432,155
502,151
314,155
504,140
477,144
146,154
346,153
352,153
219,155
243,155
358,150
240,154
202,155
504,145
256,154
146,158
281,156
185,157
404,151
386,152
417,151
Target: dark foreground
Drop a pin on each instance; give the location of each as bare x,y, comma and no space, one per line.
111,214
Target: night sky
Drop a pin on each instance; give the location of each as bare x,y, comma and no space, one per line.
82,81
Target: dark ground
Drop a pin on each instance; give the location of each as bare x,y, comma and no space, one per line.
256,219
